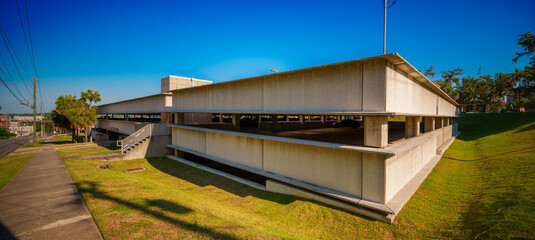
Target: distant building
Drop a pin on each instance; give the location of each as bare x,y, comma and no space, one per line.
4,121
27,118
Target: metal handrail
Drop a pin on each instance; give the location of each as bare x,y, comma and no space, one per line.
135,137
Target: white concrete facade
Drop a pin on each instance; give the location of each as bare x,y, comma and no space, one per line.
372,176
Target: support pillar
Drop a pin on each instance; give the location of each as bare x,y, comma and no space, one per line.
375,131
302,121
180,119
322,119
236,121
429,124
438,122
220,118
274,122
412,127
287,118
259,120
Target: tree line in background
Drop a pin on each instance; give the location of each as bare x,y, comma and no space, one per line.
486,93
75,114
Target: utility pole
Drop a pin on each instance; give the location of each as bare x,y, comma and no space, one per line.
34,113
42,121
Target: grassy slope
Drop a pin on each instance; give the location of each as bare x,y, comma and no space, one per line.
85,151
481,188
39,143
10,166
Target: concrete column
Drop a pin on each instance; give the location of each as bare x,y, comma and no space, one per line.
287,118
220,118
236,121
302,121
429,124
352,117
438,122
375,131
259,120
322,119
180,119
126,117
274,122
107,116
412,127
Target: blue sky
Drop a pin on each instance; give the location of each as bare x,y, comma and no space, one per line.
123,48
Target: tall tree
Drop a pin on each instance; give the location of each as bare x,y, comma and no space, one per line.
91,96
429,72
64,104
527,42
525,78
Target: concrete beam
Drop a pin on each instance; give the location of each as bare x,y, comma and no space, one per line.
375,131
412,127
429,124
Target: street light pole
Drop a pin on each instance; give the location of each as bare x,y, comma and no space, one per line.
384,27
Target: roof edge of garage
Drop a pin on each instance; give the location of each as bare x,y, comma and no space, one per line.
395,58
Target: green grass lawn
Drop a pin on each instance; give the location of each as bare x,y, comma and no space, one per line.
67,139
39,143
482,188
87,151
10,166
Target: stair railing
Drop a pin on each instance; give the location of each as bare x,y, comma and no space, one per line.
135,137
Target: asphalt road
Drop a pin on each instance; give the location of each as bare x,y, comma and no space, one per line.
8,146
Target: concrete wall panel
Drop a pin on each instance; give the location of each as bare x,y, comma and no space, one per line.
191,139
152,104
373,177
374,86
124,127
244,150
330,168
407,95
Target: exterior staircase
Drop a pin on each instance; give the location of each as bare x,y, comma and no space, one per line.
136,138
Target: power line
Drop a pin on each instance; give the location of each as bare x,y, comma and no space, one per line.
11,91
4,37
25,39
10,77
31,46
30,35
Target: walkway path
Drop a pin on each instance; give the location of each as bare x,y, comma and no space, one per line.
42,202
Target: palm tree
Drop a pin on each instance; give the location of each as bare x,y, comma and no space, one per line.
64,105
91,96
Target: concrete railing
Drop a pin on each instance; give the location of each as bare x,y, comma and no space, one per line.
363,175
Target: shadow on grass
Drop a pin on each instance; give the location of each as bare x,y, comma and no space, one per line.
92,189
202,178
478,125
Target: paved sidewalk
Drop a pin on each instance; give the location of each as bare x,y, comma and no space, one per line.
42,202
